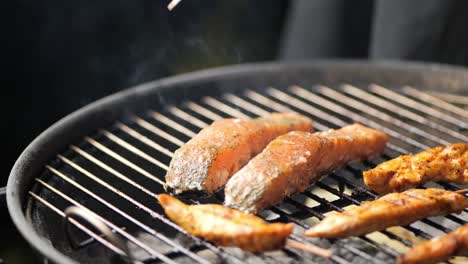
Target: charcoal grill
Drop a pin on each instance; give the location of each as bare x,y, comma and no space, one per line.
110,158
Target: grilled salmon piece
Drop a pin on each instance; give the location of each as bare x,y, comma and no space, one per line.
226,227
444,163
207,161
438,249
390,210
295,160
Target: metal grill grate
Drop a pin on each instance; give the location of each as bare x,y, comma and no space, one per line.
117,173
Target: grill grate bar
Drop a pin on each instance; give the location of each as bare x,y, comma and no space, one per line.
245,105
363,254
189,118
167,121
369,98
339,122
124,160
380,115
305,107
109,169
154,254
203,111
340,260
133,133
223,107
78,225
450,98
434,101
157,131
133,149
307,95
101,200
384,92
188,137
279,107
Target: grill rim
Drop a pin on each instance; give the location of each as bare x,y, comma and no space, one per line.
107,110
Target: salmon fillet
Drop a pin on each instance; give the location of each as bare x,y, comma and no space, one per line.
389,210
444,163
438,249
295,160
207,161
226,227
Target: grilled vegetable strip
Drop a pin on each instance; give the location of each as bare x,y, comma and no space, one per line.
207,161
226,227
389,210
448,164
293,161
438,249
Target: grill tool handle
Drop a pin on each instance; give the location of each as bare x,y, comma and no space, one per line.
2,198
76,212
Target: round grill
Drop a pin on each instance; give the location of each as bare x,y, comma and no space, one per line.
111,157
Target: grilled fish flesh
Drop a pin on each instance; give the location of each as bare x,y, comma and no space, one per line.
444,163
438,249
389,210
226,227
207,161
295,160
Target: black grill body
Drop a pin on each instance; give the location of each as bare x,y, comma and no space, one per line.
111,157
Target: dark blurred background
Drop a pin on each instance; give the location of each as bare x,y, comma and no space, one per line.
61,55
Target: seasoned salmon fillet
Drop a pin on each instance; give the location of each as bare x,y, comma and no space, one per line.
226,227
444,163
207,161
293,161
390,210
438,249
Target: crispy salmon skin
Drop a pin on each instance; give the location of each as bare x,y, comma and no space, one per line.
226,227
438,249
295,160
207,161
390,210
444,163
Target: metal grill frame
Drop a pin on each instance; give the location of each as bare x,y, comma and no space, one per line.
105,112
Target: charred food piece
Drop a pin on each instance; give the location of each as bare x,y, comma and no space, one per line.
389,210
438,249
226,227
444,163
207,161
293,161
